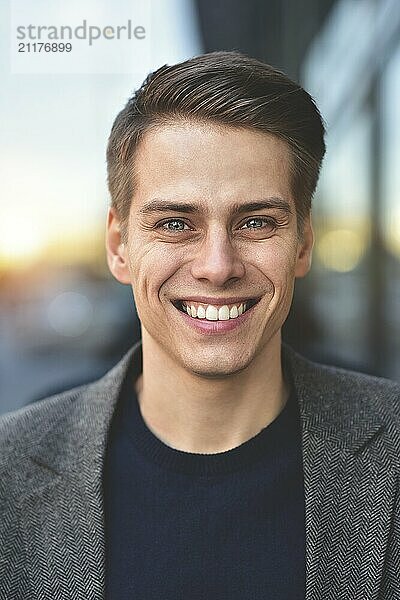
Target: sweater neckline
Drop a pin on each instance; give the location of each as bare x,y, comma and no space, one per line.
279,433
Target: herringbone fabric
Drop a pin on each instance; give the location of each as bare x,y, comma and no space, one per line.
51,501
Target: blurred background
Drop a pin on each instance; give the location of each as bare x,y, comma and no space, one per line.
65,321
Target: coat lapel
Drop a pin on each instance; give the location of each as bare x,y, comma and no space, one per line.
62,516
349,485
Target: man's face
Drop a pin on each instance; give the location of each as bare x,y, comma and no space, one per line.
218,249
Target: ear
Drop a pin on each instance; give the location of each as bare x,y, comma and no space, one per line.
117,257
305,248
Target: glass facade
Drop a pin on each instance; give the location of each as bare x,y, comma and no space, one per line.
390,135
356,271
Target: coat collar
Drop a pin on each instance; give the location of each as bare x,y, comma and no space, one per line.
330,406
81,431
79,437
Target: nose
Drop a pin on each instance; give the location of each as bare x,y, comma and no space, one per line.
217,260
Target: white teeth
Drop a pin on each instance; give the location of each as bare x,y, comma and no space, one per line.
211,313
234,312
223,313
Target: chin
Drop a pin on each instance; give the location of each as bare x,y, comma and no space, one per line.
211,372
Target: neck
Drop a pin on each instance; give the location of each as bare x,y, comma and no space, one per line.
208,416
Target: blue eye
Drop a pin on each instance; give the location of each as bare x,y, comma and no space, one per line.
267,220
162,225
263,222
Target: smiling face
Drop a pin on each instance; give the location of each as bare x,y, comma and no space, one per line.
234,241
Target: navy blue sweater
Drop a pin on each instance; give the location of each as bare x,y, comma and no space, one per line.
184,526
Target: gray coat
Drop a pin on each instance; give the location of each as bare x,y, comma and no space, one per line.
51,506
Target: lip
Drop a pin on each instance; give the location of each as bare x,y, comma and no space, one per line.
218,301
216,327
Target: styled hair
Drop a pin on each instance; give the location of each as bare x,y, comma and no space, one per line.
222,88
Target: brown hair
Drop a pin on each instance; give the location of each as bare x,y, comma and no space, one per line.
225,88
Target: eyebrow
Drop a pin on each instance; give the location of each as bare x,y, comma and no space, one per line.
160,206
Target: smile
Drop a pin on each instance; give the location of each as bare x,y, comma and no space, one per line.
207,318
209,312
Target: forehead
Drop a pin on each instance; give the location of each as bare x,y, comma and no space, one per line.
211,163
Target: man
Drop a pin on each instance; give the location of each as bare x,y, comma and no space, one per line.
213,461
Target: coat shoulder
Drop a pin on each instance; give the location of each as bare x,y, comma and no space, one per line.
381,394
22,430
341,385
348,404
368,394
54,423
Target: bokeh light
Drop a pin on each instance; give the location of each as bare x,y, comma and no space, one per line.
21,241
70,314
340,250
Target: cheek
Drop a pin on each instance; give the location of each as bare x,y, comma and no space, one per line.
151,265
277,261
